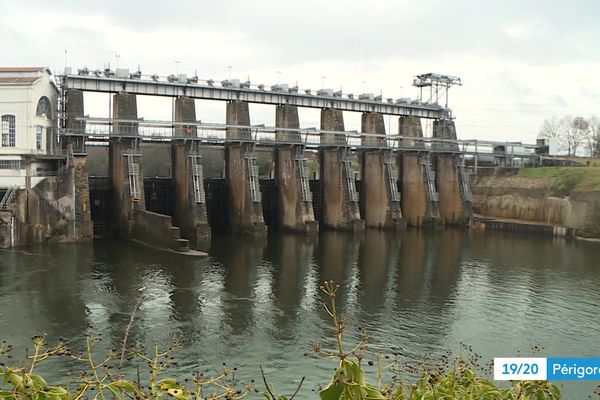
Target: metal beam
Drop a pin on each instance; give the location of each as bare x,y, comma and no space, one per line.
200,91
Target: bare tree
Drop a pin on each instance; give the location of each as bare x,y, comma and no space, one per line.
574,133
592,137
551,128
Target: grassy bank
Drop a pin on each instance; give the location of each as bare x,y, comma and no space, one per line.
567,179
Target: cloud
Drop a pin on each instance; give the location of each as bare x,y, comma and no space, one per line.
520,61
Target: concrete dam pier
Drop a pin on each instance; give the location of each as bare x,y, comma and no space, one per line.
399,180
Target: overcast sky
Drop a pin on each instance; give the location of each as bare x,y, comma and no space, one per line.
520,61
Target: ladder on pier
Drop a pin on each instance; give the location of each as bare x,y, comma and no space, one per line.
133,168
349,178
303,174
62,103
253,174
390,170
198,179
464,180
430,175
7,198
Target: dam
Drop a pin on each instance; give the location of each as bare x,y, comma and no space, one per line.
365,179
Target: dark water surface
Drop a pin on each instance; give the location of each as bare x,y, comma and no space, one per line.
257,302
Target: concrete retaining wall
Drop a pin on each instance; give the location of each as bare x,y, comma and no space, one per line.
153,229
533,199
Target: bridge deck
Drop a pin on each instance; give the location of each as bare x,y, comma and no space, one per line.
141,86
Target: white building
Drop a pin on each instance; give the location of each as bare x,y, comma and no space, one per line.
28,102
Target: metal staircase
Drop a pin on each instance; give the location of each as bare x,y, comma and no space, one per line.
464,180
7,198
430,174
253,183
302,174
349,178
198,179
62,102
390,168
133,167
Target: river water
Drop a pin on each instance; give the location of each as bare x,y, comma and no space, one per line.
258,302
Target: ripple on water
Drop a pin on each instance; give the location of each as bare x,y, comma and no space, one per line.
252,304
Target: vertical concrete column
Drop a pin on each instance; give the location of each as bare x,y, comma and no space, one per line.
339,209
245,207
372,123
419,193
238,113
286,118
380,209
295,209
124,142
453,207
75,148
189,213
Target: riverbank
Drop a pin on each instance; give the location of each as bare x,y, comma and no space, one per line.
566,197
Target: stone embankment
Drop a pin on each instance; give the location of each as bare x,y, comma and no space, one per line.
562,196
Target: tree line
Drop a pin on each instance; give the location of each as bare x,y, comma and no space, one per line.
574,135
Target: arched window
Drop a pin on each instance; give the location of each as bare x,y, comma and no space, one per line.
8,131
44,108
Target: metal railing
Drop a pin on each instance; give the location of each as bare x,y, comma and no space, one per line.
306,194
350,179
134,175
6,200
198,179
432,193
463,178
101,129
98,131
392,176
253,173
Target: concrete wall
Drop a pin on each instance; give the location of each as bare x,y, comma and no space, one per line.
245,216
338,212
294,214
155,229
379,209
46,213
534,199
8,227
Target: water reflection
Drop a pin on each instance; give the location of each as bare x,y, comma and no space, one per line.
258,302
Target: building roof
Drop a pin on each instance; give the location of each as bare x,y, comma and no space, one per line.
21,75
22,69
18,80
